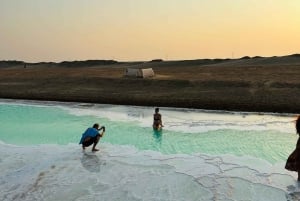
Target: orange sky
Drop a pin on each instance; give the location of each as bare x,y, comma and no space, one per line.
131,30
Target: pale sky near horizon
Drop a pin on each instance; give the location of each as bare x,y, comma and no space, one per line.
135,30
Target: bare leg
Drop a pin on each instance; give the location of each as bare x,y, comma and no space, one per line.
95,143
156,126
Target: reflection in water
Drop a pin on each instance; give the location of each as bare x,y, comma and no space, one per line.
91,162
157,135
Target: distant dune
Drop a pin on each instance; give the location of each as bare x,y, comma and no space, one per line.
244,61
260,84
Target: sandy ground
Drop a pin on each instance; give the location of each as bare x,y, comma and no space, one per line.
257,84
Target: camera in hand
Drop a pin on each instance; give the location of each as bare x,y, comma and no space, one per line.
102,128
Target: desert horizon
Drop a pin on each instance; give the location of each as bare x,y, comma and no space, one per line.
112,61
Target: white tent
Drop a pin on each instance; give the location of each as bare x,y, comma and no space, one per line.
131,72
142,72
146,72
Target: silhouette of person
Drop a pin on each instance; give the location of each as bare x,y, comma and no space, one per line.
157,121
293,161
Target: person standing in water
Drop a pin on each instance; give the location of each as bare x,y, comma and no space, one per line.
157,121
293,161
92,136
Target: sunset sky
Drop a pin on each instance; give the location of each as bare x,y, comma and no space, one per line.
135,30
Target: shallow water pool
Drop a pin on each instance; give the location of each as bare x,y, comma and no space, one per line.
199,155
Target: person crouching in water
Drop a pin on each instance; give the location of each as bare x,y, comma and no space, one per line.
293,161
92,136
157,121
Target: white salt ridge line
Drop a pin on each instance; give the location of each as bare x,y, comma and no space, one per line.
123,107
182,120
192,122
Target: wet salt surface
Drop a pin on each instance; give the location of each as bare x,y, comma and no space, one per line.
200,155
53,172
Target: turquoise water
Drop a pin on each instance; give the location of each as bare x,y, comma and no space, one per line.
29,125
199,155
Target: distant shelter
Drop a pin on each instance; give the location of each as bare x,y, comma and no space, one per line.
139,72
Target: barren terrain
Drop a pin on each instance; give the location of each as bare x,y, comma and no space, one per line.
248,84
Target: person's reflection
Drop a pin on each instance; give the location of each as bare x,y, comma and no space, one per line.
157,136
91,162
